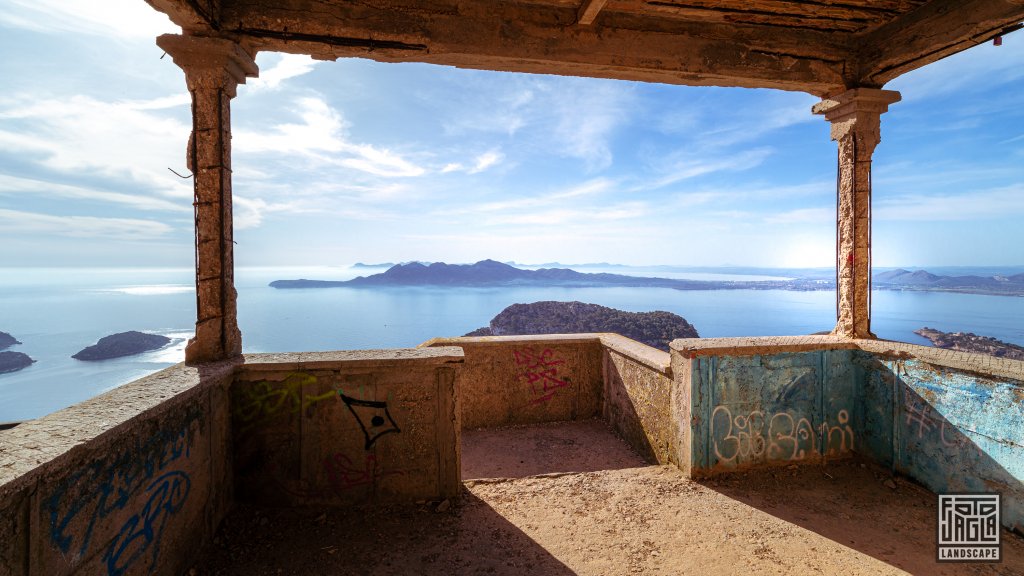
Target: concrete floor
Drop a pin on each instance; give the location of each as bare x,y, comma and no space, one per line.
573,499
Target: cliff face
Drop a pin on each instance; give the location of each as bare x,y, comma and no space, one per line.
969,342
655,329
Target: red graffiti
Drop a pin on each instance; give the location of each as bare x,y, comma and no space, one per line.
541,373
342,473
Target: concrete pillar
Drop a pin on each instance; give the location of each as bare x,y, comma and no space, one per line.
855,115
213,69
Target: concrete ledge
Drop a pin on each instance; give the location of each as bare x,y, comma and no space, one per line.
657,360
695,347
383,358
981,364
28,449
506,340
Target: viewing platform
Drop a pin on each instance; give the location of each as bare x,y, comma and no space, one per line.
583,454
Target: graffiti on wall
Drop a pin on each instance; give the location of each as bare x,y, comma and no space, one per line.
540,370
922,419
373,418
259,402
779,436
144,483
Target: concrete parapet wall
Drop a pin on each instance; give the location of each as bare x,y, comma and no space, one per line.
638,397
951,429
747,410
526,379
340,428
133,481
947,419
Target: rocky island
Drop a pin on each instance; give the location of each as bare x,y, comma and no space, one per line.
14,361
122,344
656,329
968,342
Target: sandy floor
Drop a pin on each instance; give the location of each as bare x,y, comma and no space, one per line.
600,511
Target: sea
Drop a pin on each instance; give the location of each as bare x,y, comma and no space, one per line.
55,312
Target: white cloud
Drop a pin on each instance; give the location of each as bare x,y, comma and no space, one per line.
321,137
996,203
687,164
978,69
587,115
588,188
19,222
287,66
486,160
14,186
802,216
133,140
108,18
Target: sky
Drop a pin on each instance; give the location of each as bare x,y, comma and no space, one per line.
339,162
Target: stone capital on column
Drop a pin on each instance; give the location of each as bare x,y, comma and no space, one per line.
856,112
210,62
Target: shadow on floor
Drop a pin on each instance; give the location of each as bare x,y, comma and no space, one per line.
556,447
471,538
858,505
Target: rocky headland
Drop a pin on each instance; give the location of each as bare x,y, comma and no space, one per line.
656,329
6,341
14,361
968,342
122,344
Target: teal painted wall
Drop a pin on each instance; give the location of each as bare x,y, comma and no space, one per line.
950,430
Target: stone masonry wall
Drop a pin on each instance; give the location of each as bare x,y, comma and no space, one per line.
338,428
526,379
130,482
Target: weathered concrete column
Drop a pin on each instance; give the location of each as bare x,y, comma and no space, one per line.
854,115
213,69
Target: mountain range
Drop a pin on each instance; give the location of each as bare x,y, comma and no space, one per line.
490,273
493,273
923,280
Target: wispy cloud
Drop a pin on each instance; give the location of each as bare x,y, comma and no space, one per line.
286,67
587,118
15,186
80,135
321,136
996,203
552,199
117,18
687,164
20,222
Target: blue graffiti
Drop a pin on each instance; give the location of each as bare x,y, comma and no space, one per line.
144,530
104,487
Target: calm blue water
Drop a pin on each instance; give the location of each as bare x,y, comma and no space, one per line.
56,312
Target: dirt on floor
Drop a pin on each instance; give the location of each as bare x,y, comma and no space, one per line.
592,508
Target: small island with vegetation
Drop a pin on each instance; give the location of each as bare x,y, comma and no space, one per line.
12,361
656,329
122,344
969,342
